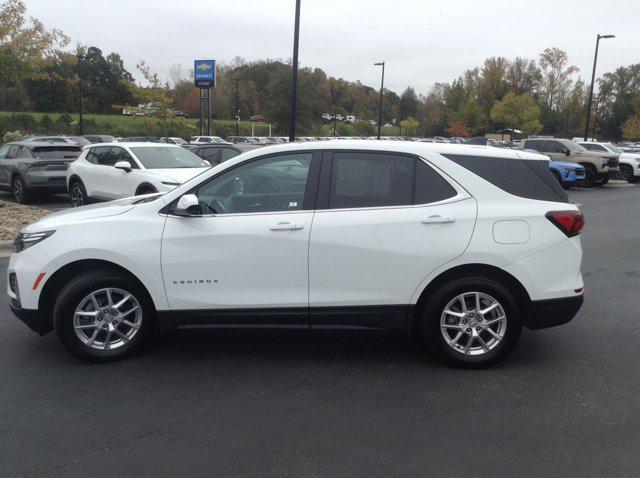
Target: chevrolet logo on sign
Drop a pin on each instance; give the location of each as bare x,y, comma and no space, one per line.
204,73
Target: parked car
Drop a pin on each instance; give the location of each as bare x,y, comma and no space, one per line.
256,118
28,168
180,114
206,140
141,139
598,166
75,140
567,174
244,139
431,239
215,154
173,140
629,163
115,170
99,138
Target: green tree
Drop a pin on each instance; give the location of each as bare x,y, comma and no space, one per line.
519,112
364,128
408,104
410,127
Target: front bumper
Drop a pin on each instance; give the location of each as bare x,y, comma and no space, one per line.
553,312
33,318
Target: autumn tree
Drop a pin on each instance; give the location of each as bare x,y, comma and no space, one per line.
457,129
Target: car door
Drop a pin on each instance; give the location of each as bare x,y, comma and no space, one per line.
249,248
124,183
383,223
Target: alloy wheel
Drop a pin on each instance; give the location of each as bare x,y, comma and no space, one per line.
77,198
473,323
107,319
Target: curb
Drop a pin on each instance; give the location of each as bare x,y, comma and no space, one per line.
5,245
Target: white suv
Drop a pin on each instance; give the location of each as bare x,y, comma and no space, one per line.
115,170
462,245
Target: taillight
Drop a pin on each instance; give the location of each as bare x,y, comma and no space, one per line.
569,222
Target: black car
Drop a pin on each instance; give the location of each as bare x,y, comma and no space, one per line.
214,153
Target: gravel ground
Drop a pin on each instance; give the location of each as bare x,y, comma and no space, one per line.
14,217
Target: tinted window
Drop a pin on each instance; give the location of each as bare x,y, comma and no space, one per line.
4,150
370,180
593,147
13,152
430,186
210,154
269,184
530,179
536,145
555,147
55,152
228,153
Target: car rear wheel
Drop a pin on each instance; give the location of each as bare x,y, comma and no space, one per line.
627,173
78,194
103,316
472,322
20,192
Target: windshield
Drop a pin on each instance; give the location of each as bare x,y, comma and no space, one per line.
167,157
574,146
613,148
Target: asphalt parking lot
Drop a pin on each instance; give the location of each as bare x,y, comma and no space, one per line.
302,403
51,202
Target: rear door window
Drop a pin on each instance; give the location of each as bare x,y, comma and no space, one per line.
228,153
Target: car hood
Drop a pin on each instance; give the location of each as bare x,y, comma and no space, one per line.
630,155
93,211
175,175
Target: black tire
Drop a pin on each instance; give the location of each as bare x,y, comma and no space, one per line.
76,292
590,175
432,311
627,173
20,191
78,194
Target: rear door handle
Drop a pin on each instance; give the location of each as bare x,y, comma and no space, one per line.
437,219
285,226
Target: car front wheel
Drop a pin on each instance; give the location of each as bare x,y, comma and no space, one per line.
472,322
103,316
78,194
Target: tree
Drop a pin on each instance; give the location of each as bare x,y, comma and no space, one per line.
523,76
363,128
410,127
631,128
557,76
519,112
457,129
408,104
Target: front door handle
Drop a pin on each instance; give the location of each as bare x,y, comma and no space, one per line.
437,219
285,226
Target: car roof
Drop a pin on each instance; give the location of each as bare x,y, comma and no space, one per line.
35,144
132,144
409,147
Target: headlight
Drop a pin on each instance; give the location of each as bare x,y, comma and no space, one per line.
23,241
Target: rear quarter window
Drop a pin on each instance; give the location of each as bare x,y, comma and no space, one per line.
55,152
526,178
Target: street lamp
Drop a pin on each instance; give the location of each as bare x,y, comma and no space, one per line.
335,95
381,89
237,80
80,125
593,77
294,76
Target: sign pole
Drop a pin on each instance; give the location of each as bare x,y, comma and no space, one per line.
208,111
204,76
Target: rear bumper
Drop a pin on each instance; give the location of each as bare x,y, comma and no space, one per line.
32,318
553,312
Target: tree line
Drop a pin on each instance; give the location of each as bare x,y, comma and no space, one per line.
39,73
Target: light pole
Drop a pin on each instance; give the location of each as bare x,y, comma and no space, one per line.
80,125
593,77
294,75
381,89
335,94
238,80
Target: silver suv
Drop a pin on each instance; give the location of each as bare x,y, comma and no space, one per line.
31,167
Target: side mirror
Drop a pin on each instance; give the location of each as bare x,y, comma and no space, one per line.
124,165
188,205
567,152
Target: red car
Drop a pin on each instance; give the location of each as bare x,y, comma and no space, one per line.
256,118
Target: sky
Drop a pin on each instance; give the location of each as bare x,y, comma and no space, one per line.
422,42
